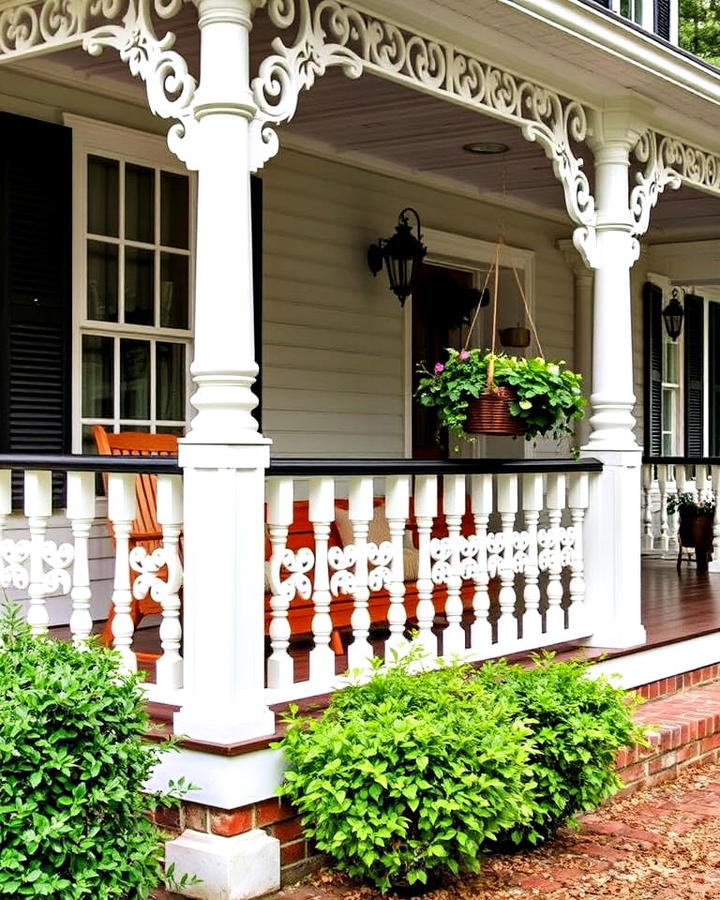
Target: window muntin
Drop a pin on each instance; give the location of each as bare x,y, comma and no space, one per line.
133,322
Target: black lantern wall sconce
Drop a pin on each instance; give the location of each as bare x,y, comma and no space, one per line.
401,254
673,316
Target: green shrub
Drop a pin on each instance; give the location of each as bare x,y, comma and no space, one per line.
73,818
408,776
578,725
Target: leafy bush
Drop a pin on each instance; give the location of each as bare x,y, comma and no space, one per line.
578,725
407,776
73,818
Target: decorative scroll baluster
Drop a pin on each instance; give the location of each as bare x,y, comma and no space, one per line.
121,512
453,507
169,668
279,518
648,540
361,512
663,477
425,512
38,509
5,511
397,506
507,491
322,513
532,503
81,512
578,500
481,628
555,616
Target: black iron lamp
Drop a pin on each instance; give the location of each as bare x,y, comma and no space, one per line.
673,316
402,254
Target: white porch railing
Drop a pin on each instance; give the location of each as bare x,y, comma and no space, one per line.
45,559
478,558
663,477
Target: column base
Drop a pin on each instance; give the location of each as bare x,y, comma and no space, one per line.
220,727
227,868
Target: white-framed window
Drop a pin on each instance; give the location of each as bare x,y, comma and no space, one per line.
633,10
671,396
133,249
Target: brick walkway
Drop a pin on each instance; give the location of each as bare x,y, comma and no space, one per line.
656,844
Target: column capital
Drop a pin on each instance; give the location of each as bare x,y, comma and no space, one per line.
239,12
619,125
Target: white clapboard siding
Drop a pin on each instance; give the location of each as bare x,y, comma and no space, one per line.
334,337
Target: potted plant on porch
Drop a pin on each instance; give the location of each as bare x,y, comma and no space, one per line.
481,392
696,515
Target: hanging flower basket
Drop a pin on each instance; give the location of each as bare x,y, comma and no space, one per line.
490,414
515,337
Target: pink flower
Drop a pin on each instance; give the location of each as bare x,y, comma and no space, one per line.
439,367
464,354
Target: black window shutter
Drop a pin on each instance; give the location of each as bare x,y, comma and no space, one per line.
35,286
714,374
694,329
662,19
256,216
652,330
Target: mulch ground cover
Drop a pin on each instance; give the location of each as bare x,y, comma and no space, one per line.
657,844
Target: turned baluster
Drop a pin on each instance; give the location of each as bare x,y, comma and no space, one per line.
279,518
322,513
38,509
532,503
648,540
425,511
578,500
397,506
555,616
453,507
121,512
81,513
507,494
482,504
360,494
169,667
663,477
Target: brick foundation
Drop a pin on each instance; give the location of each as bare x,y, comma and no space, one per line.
683,719
277,818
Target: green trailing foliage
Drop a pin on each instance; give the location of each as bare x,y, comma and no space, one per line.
578,725
700,28
549,395
74,819
410,776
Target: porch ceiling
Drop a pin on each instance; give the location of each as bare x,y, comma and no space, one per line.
373,121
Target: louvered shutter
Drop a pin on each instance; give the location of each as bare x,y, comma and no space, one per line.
694,329
714,377
35,286
662,18
652,330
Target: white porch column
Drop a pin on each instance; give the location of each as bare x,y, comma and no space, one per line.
612,526
224,456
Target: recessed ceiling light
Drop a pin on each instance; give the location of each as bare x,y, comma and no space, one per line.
486,147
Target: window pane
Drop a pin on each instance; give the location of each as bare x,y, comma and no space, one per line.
173,291
170,360
102,281
179,430
139,204
667,445
139,286
97,377
174,204
670,366
134,379
103,192
668,409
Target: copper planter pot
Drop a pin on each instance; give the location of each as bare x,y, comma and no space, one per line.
490,414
